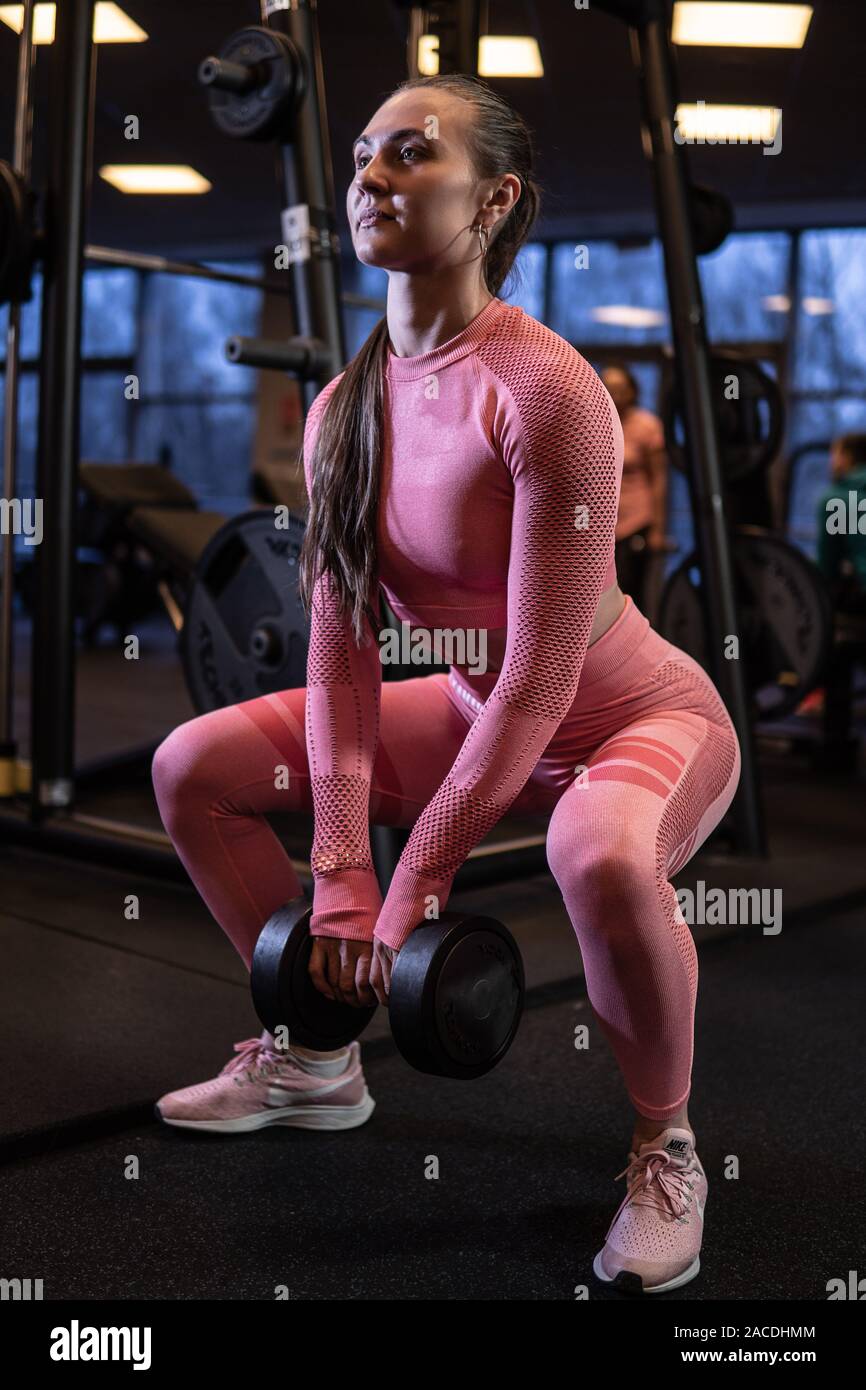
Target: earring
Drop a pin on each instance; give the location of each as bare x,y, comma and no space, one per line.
483,237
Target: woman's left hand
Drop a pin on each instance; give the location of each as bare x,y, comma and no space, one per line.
380,970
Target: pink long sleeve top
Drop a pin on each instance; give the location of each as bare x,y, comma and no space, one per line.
501,469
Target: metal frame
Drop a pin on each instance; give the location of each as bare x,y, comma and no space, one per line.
163,265
648,22
306,176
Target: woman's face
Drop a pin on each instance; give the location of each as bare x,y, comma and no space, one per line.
413,168
840,460
620,388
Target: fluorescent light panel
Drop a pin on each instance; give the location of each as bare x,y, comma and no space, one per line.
729,124
628,316
110,24
154,178
499,55
814,304
740,25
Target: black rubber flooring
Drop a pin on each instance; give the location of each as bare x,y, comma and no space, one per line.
526,1157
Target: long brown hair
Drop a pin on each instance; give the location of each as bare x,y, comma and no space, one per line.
344,498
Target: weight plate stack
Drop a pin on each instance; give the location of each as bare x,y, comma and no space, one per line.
245,632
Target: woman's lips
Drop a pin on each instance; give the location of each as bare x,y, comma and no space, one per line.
369,219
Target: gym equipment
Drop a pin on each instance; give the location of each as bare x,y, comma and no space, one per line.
17,236
712,218
750,427
245,632
785,613
255,84
456,996
285,996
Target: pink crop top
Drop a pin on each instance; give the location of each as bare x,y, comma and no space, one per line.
501,470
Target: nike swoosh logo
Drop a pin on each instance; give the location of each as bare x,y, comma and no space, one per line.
700,1207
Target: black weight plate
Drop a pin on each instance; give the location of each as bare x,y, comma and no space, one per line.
750,428
784,612
260,113
456,996
245,632
283,993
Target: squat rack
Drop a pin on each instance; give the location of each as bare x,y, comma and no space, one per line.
306,183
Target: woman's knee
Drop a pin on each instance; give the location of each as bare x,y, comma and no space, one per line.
187,764
595,855
170,765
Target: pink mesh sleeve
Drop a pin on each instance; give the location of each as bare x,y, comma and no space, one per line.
342,732
561,440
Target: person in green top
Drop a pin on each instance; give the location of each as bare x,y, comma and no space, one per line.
841,555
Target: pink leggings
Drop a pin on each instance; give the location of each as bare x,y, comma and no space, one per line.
642,769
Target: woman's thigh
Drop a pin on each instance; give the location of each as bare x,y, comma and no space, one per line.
251,758
652,789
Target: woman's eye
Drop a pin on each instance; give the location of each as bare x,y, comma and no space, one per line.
407,149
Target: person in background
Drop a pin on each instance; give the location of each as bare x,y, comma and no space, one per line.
841,554
641,528
841,558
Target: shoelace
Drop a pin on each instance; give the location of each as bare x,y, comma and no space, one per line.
654,1181
254,1057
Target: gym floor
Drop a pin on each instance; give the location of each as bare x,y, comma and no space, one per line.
96,1014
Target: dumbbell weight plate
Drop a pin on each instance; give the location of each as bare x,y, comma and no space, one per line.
456,996
283,993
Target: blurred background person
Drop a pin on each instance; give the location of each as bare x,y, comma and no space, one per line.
641,528
841,557
841,553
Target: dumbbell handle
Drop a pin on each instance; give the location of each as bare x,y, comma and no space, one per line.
228,76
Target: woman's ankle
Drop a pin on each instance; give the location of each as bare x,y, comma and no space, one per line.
646,1130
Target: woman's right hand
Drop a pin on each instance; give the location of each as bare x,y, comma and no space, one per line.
340,970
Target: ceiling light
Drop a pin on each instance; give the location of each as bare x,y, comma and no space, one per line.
776,303
740,25
700,123
110,24
814,304
154,178
628,316
499,55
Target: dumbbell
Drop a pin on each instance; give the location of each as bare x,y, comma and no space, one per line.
455,1002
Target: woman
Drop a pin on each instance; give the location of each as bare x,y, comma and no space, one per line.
642,519
468,459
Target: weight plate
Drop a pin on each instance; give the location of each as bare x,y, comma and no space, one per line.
283,993
258,114
784,613
245,632
457,996
750,427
